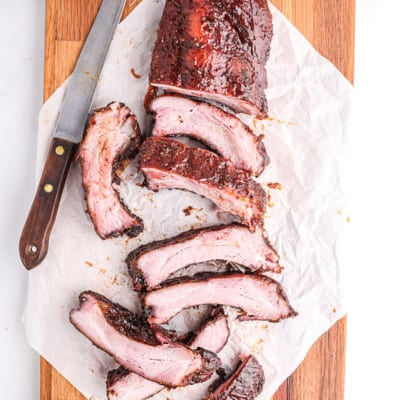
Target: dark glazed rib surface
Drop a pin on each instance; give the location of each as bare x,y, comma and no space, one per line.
216,50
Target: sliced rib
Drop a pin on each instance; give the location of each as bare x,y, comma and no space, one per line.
213,334
245,383
118,332
112,135
258,296
152,263
168,164
215,50
125,385
219,130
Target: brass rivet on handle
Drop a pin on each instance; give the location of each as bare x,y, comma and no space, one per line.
48,187
32,249
59,150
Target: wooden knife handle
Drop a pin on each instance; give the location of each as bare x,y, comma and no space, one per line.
34,241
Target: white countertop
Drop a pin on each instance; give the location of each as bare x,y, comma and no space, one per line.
21,89
373,274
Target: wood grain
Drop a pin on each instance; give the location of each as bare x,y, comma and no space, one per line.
329,26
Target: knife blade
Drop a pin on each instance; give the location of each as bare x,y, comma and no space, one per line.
68,132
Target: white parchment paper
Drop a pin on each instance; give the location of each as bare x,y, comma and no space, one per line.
309,106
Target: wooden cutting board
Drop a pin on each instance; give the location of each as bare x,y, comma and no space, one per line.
329,26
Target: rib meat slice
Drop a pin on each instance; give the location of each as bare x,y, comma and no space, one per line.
125,385
213,334
168,164
246,382
215,50
112,135
260,297
151,264
118,332
219,130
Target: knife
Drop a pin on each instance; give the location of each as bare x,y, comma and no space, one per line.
68,133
